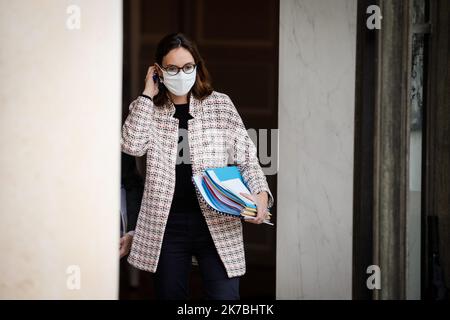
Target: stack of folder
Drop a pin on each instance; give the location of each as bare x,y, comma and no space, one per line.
221,189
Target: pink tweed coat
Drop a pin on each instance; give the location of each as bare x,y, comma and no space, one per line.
217,137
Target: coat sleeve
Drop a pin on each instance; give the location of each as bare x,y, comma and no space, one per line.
136,131
244,154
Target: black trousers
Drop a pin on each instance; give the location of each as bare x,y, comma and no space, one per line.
187,235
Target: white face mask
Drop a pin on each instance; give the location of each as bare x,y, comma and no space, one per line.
179,84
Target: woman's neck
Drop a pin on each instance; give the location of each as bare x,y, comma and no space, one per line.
178,99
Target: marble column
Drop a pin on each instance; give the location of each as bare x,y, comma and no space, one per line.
60,98
316,122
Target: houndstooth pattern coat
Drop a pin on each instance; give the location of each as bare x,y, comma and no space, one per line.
217,137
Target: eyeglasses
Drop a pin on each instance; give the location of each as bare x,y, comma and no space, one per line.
174,70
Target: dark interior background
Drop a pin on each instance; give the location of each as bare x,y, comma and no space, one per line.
239,42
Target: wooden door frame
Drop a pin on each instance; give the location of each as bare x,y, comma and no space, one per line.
381,146
437,143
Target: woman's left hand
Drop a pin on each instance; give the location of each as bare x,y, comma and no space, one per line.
261,200
125,245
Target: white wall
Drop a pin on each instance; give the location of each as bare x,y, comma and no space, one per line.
316,121
60,100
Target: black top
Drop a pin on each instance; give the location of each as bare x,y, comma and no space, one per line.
184,199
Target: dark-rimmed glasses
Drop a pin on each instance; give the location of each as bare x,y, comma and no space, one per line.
174,70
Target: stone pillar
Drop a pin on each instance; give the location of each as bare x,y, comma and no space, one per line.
60,97
316,123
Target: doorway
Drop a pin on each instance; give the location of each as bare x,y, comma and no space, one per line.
239,43
402,171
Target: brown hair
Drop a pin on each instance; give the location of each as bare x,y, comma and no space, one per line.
202,87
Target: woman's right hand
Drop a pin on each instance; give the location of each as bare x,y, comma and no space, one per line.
151,87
